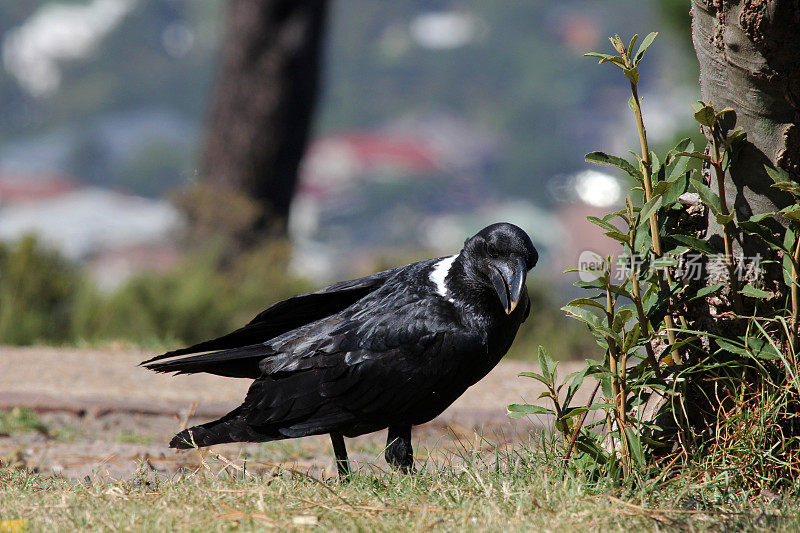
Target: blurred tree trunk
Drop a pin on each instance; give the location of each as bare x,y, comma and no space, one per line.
749,55
260,118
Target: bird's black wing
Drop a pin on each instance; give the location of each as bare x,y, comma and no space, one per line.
380,365
242,348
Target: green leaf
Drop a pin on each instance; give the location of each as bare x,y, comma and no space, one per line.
606,225
619,289
597,284
734,141
650,208
605,160
635,446
662,187
681,162
581,314
694,243
755,228
598,55
762,349
617,236
752,292
618,61
731,347
643,242
696,155
519,410
724,111
791,212
631,338
761,216
632,42
705,115
547,364
620,318
655,164
789,240
685,145
705,291
782,180
575,384
708,196
680,184
586,302
588,446
632,74
724,219
573,412
617,43
646,42
534,375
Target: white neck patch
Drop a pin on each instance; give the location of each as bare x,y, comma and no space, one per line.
439,273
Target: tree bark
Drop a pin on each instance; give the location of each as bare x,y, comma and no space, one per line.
749,55
262,108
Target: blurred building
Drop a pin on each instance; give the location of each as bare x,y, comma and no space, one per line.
116,234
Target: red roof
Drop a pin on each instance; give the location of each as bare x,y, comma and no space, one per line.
378,149
15,188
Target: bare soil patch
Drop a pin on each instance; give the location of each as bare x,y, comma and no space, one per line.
105,416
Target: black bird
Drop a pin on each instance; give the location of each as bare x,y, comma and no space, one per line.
391,350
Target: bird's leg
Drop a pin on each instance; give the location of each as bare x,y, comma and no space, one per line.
399,453
340,452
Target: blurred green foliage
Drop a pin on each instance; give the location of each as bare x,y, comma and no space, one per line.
46,299
20,420
547,325
38,291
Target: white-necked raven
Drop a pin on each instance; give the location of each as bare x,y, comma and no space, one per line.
390,350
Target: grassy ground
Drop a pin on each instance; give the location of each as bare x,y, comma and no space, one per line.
516,490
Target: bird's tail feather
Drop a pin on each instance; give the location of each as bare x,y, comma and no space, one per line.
238,362
230,428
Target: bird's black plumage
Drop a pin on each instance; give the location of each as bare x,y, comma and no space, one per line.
393,349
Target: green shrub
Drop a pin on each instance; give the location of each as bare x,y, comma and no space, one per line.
695,373
38,289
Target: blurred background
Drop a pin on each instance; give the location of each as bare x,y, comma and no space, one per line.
168,168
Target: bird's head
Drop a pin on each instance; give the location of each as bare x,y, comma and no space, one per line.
500,257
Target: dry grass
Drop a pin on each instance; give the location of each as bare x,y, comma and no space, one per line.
518,489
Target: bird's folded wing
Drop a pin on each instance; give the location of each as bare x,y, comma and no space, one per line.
290,314
406,381
374,367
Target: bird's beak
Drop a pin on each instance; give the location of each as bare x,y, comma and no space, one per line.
508,280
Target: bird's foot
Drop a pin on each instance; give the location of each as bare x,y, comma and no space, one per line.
399,453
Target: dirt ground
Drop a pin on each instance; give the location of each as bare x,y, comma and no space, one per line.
103,415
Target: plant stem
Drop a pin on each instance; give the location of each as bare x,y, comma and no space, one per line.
580,423
612,352
729,227
559,411
644,326
796,291
616,390
663,277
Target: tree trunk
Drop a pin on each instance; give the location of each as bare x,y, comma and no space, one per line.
261,112
749,55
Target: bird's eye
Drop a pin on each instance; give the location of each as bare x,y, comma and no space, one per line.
492,250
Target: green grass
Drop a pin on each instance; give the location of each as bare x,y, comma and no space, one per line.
20,420
523,490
